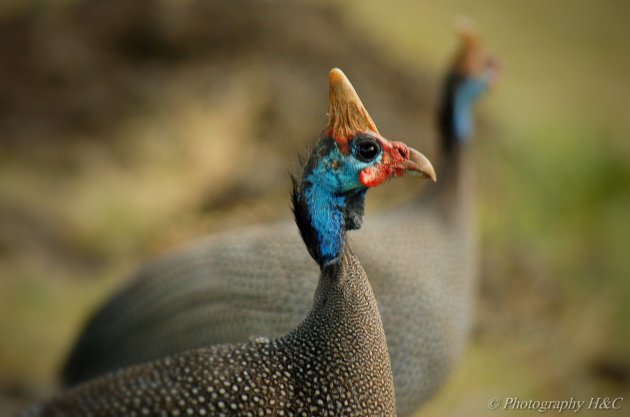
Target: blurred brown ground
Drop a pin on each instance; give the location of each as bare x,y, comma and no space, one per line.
129,127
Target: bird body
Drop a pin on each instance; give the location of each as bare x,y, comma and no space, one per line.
335,362
258,281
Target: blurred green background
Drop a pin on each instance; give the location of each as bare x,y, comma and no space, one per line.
129,127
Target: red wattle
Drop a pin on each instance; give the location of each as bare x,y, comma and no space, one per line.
376,175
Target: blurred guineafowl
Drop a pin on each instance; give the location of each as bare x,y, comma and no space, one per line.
335,363
257,280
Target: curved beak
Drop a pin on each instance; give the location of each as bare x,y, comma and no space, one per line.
418,165
398,160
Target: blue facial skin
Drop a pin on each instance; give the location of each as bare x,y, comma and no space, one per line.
467,93
332,180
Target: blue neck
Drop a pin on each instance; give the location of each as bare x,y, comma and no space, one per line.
329,202
466,93
327,221
455,116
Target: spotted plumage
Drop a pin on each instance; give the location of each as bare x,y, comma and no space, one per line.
335,363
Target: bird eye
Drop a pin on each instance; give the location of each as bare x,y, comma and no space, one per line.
367,148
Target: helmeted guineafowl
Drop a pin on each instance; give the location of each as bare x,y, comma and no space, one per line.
258,280
335,363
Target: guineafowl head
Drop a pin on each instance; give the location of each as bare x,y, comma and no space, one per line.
473,72
349,158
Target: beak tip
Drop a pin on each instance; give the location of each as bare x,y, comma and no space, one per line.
421,165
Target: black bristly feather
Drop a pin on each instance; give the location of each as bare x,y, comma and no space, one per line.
354,210
303,220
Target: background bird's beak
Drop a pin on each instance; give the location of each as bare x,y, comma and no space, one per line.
418,164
